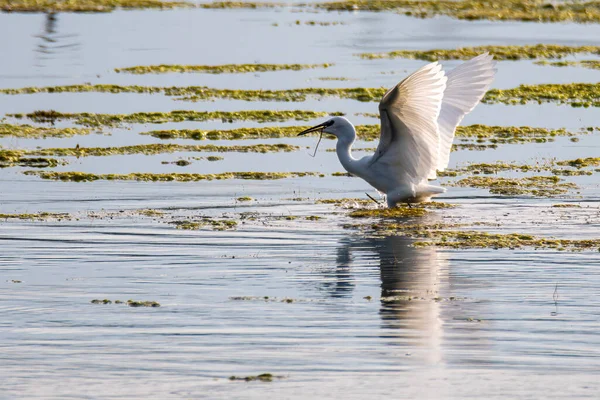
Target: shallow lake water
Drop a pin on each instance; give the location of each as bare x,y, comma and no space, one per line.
331,312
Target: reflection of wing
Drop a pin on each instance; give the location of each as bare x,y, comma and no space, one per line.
409,130
465,87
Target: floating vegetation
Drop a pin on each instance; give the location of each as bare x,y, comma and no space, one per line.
575,94
244,198
239,4
149,212
113,120
135,303
591,64
262,378
345,202
319,23
87,6
396,212
16,158
514,134
507,10
477,239
219,69
203,93
215,224
98,301
541,186
499,52
481,133
41,216
155,148
566,205
36,132
172,177
312,218
581,162
266,299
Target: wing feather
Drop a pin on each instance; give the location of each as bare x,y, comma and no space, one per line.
465,87
410,142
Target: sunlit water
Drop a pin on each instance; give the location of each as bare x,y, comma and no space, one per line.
337,322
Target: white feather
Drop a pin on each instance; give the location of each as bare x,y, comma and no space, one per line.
408,147
465,87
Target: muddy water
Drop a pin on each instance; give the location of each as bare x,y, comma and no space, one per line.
331,312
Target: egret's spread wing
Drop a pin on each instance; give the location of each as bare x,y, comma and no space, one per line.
465,87
409,113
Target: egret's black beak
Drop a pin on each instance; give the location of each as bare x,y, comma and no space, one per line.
314,129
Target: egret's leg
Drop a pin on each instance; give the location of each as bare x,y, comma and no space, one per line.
371,197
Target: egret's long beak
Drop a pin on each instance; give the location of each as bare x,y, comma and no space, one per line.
313,129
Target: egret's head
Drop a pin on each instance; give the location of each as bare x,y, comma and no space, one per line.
337,126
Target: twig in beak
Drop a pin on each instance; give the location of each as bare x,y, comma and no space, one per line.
320,137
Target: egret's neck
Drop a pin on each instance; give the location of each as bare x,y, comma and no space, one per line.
344,150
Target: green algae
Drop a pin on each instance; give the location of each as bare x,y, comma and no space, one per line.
214,158
312,218
480,133
540,186
506,10
581,162
566,205
115,120
203,93
396,212
244,198
218,69
574,94
149,212
98,301
86,6
240,4
17,158
41,216
451,235
483,240
319,23
590,64
261,378
215,224
136,303
171,177
537,51
148,149
36,132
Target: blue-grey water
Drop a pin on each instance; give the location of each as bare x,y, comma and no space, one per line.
337,323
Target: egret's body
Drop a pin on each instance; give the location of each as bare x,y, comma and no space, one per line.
418,120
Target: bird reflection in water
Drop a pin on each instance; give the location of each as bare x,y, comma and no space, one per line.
52,45
410,284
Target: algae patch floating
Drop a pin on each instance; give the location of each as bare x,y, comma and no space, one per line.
148,149
115,120
509,10
541,186
538,51
575,94
218,69
37,132
41,216
173,177
590,64
87,6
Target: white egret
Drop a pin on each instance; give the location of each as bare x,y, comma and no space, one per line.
418,119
